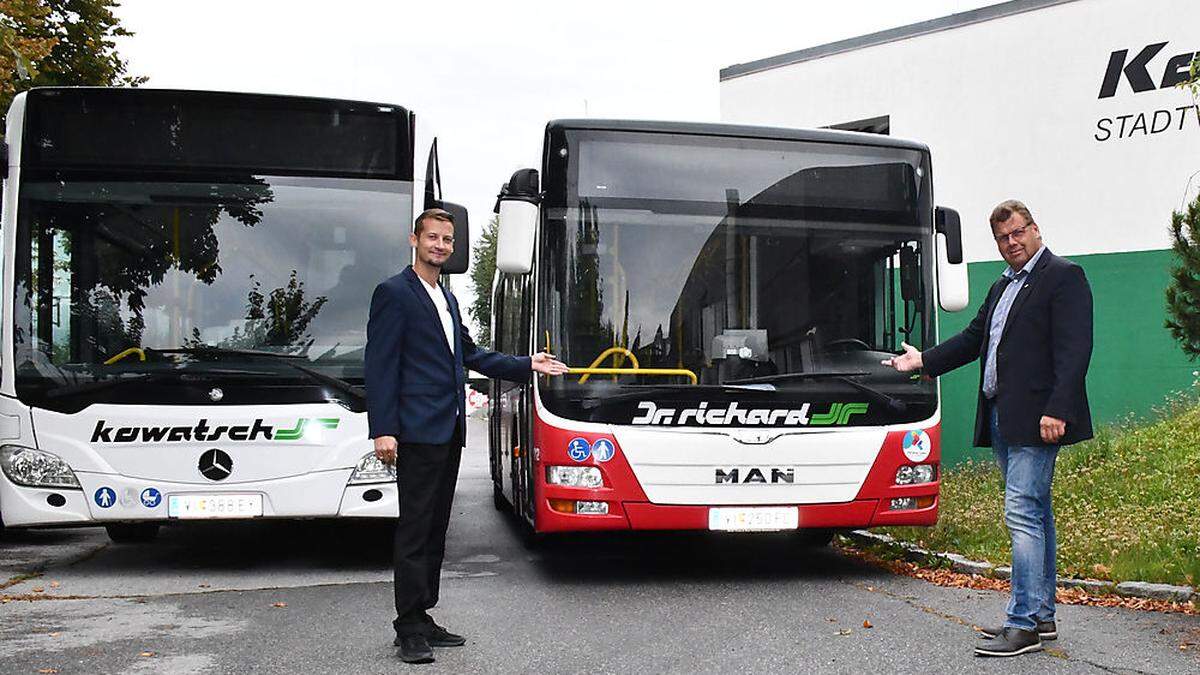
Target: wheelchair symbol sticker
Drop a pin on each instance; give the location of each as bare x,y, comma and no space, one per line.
578,449
603,450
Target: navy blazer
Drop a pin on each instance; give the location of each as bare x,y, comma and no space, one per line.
416,391
1042,359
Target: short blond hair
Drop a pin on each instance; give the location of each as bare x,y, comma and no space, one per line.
436,214
1005,209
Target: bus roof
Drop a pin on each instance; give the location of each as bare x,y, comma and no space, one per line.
738,131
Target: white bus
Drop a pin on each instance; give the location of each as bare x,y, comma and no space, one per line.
186,278
724,295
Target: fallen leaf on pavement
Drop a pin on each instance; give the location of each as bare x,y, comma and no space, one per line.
844,631
867,624
279,604
146,654
48,671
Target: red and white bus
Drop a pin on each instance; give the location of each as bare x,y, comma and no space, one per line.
724,296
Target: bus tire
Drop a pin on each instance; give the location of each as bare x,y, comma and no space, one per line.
498,499
814,538
132,533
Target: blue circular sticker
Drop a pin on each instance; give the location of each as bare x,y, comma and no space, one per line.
603,450
578,449
151,497
105,497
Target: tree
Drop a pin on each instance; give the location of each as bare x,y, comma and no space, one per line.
60,43
1183,292
483,270
21,22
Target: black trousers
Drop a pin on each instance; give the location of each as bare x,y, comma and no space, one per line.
425,476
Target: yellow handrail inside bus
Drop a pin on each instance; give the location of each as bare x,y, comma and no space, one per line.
132,350
635,371
605,354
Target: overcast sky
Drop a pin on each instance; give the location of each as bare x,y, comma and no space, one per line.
485,77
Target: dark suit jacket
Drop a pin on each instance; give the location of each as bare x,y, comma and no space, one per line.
1042,358
416,391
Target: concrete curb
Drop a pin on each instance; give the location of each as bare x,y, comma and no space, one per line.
958,563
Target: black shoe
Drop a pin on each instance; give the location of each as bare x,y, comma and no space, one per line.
414,648
1047,630
440,637
1010,642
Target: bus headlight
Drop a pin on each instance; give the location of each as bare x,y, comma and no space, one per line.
912,475
36,468
371,470
574,476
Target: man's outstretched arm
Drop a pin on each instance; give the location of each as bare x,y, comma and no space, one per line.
505,367
953,353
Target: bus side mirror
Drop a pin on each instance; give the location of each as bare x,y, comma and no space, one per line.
953,286
948,223
460,259
518,209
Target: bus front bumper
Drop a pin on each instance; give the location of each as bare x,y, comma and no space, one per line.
116,498
859,513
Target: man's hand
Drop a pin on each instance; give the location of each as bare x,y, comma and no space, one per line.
909,360
1053,429
385,449
546,364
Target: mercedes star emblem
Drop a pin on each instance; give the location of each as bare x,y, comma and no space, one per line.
216,394
215,465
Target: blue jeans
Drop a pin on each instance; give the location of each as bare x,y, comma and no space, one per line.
1029,515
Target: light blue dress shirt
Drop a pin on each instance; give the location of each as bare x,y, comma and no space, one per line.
1016,281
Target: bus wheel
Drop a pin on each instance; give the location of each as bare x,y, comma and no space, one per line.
814,538
498,499
132,533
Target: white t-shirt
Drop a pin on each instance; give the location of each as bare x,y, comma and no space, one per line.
443,310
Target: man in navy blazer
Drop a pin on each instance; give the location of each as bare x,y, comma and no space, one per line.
1033,339
416,354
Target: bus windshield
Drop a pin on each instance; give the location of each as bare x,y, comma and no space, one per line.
120,277
761,279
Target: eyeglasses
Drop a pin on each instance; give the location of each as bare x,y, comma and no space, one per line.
1017,233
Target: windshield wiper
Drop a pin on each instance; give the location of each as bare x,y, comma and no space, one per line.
590,402
890,401
337,383
783,377
221,351
149,378
101,385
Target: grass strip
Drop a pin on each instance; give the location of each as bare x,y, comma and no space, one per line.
1126,504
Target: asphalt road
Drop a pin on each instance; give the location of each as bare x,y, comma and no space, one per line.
269,597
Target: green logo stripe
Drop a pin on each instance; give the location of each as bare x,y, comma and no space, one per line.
839,413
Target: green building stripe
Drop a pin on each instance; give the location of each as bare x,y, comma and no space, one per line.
1135,363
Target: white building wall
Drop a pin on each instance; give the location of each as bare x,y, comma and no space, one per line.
1010,108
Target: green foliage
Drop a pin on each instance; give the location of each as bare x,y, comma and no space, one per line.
483,270
1124,504
1183,291
60,43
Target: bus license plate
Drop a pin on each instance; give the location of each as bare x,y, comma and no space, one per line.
754,519
214,506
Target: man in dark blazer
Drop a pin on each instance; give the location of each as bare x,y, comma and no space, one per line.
416,353
1033,339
